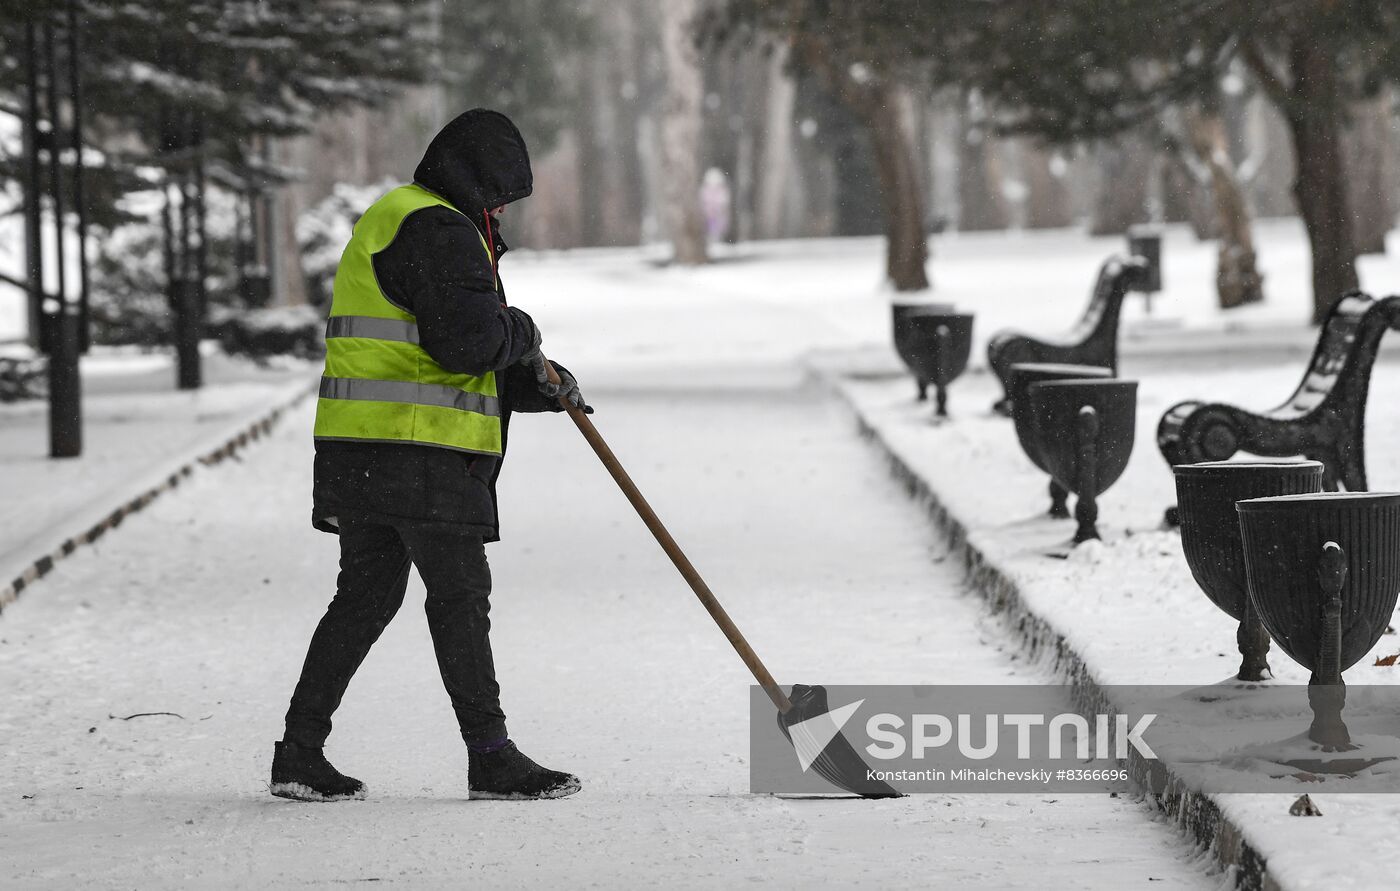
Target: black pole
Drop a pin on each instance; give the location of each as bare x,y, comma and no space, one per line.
79,193
1086,509
187,371
272,254
240,243
201,215
940,393
55,150
65,384
190,317
33,194
167,230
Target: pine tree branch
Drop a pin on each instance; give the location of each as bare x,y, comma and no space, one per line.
20,283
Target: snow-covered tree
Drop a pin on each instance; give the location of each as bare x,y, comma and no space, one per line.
1086,67
166,80
680,132
848,48
1109,71
513,57
192,89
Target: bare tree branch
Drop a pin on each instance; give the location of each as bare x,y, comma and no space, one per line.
1273,82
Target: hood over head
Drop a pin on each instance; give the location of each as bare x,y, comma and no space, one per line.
478,162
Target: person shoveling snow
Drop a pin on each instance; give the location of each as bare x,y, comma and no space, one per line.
424,364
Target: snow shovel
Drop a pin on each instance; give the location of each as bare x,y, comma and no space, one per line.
836,760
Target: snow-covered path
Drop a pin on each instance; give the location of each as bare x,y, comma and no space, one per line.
136,428
202,606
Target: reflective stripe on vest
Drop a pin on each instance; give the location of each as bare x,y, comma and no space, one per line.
375,329
380,385
407,391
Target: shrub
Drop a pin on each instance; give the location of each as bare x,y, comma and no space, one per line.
273,331
23,377
323,230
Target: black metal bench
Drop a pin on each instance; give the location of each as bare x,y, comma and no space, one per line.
1092,341
22,378
1324,420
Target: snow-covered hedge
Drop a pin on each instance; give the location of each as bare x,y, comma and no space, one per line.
274,331
129,302
323,230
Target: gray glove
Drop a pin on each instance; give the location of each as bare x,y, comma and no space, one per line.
535,359
536,362
566,388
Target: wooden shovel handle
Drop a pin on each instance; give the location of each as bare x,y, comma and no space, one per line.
673,550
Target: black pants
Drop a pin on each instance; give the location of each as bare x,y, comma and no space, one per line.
374,562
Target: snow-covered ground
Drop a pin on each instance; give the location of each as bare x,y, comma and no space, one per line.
202,606
781,298
137,426
770,302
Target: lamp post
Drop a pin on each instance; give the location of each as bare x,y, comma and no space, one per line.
57,320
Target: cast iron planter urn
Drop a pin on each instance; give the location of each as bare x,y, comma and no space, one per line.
1085,433
1210,536
901,313
1021,376
1324,572
935,346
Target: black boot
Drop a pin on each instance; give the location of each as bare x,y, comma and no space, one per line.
509,775
303,773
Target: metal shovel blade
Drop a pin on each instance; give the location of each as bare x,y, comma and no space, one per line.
838,763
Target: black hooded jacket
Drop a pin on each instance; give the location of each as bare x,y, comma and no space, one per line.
435,268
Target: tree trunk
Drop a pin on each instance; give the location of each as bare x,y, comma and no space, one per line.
1315,117
876,102
775,174
634,73
981,206
1269,143
680,133
1183,198
1237,278
1121,198
594,181
943,139
1370,164
907,249
1047,198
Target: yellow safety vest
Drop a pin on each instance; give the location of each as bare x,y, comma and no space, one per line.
379,384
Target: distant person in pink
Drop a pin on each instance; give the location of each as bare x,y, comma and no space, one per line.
714,203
